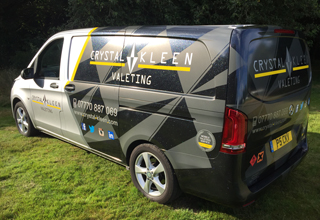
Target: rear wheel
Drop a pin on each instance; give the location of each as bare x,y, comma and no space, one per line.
152,174
23,120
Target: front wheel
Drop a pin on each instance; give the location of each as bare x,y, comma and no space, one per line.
23,120
152,174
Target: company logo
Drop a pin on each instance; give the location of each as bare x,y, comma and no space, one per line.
91,128
132,59
110,135
101,132
288,63
152,60
48,102
291,110
276,66
83,126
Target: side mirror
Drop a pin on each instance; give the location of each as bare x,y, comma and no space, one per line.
27,73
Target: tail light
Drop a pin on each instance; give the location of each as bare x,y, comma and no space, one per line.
283,31
234,135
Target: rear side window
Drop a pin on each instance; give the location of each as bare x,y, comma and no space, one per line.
96,58
49,60
166,64
157,63
277,67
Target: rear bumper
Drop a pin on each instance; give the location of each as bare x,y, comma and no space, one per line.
224,184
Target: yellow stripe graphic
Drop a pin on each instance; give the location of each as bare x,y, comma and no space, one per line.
156,67
300,67
82,51
269,73
47,105
106,63
38,102
276,72
53,107
66,84
204,145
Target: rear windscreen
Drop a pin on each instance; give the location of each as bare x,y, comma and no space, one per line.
277,66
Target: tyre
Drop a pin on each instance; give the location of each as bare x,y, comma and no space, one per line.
152,174
23,121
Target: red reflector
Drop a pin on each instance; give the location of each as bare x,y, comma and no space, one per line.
234,132
248,203
283,31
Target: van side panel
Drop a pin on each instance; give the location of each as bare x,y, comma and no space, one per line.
182,97
94,98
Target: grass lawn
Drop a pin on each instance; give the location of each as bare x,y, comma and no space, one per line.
44,178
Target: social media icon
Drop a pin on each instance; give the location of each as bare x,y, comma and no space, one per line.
91,128
110,135
101,132
83,126
301,106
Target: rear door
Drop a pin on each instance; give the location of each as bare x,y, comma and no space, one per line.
276,98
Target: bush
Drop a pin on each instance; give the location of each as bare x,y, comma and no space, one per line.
7,77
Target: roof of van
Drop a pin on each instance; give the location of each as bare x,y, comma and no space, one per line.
182,31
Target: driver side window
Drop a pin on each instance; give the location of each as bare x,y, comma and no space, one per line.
49,60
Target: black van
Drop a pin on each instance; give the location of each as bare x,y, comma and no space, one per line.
219,112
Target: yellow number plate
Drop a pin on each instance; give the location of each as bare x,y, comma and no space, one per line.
279,142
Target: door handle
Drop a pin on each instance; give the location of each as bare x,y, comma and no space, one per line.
70,87
54,85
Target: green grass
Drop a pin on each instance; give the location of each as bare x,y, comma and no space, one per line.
44,178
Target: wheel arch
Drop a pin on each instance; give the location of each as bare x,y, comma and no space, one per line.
17,99
132,146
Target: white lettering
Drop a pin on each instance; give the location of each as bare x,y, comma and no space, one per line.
151,61
149,80
111,52
121,60
174,57
132,77
137,82
270,62
141,57
92,57
162,58
114,75
143,79
188,58
106,58
116,58
266,64
260,65
96,57
254,66
101,53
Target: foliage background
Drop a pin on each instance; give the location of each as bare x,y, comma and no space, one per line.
26,24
